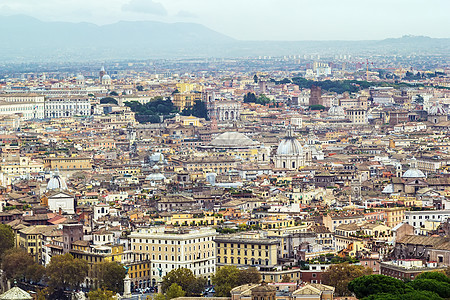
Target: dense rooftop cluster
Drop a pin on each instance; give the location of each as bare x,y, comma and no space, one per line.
160,172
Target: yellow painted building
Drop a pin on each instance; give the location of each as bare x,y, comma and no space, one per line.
188,121
280,231
407,200
96,254
394,215
188,87
246,154
140,274
246,249
31,239
180,219
139,270
129,171
184,100
276,222
68,163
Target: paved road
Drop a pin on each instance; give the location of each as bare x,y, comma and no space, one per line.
141,296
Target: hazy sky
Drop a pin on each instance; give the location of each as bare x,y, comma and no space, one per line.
259,19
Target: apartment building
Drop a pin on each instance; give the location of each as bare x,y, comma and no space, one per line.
67,107
173,248
394,215
417,219
246,249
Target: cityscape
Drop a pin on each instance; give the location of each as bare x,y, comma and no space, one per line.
193,165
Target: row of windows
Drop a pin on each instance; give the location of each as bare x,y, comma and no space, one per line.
245,261
204,270
427,217
141,273
191,257
245,246
260,253
68,106
172,242
193,265
139,267
19,108
172,249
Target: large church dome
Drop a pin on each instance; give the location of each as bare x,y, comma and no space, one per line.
437,110
56,182
290,153
233,139
336,112
289,145
413,173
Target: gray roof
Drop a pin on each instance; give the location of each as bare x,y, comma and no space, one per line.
233,139
413,173
289,146
15,293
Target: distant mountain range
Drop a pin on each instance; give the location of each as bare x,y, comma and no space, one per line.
26,39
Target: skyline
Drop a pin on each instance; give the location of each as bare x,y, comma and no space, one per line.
258,20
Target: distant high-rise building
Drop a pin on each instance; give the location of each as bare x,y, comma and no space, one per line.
316,96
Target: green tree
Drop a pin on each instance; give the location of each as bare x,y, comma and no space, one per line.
439,276
150,112
65,271
340,275
174,291
365,286
16,264
101,294
140,88
250,98
182,277
226,278
447,271
432,285
286,278
255,78
110,276
316,107
113,93
196,287
108,100
199,110
262,99
413,295
35,272
249,275
6,238
158,296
